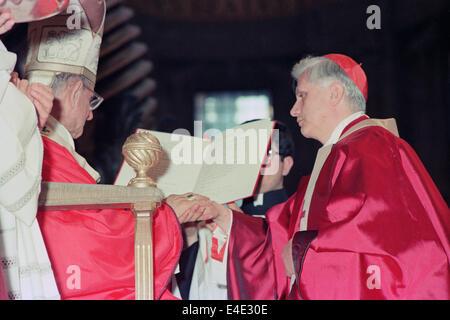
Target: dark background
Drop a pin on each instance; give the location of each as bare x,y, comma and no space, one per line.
216,45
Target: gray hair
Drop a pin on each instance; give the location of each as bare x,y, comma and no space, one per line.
62,79
324,71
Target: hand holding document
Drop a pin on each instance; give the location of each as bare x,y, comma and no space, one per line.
224,169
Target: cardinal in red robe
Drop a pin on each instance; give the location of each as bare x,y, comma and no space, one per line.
369,223
92,251
375,231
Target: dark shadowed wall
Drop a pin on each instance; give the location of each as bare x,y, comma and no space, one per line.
193,48
406,61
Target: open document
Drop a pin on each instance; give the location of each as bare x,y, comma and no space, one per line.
224,169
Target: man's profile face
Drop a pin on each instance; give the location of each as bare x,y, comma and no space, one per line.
271,171
78,113
310,107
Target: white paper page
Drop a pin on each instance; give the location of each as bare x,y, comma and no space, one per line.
177,170
233,174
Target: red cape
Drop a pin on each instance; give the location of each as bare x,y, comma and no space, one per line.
378,229
3,290
92,251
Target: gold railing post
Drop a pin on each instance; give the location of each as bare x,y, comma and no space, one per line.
142,151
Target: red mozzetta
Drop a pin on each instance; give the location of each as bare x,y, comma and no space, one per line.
92,251
378,228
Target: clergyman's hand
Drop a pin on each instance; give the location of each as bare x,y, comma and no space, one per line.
211,210
40,95
6,20
194,207
233,206
185,207
42,98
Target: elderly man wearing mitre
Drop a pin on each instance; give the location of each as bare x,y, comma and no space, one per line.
368,223
25,271
91,251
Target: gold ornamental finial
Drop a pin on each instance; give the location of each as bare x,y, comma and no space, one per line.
142,151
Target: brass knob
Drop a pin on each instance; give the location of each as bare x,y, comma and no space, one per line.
142,151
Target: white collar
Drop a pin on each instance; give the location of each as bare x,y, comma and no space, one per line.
341,126
258,199
55,131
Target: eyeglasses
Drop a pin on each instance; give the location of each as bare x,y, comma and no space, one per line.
96,100
270,152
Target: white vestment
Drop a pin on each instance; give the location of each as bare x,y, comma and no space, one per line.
24,260
209,277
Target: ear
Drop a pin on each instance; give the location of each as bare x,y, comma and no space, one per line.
74,91
288,162
337,93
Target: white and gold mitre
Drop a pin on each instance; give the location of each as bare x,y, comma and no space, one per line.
68,42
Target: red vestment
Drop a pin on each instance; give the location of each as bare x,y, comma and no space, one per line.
378,228
92,251
3,290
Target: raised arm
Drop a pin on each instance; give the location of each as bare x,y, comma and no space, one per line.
40,95
6,20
